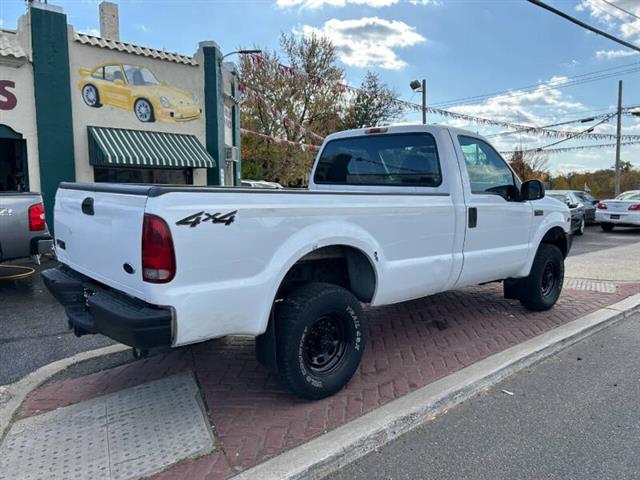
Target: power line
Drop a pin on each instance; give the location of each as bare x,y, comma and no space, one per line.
588,130
609,12
589,77
567,122
621,9
569,149
583,24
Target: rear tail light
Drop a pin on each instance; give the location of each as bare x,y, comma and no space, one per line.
635,207
158,256
36,218
602,206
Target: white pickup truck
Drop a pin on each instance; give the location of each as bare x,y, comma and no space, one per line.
391,214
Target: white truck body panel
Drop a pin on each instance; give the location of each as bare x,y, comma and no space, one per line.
227,276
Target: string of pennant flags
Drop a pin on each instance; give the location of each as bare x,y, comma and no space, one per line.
281,141
568,149
261,61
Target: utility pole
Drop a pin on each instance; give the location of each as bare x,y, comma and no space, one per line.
618,133
424,101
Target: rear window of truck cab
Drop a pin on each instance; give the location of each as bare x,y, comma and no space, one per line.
391,159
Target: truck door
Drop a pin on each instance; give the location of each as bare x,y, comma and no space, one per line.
498,225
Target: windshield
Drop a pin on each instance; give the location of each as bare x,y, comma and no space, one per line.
140,75
629,196
559,196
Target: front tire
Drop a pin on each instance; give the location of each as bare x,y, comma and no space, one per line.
321,330
143,110
542,288
607,227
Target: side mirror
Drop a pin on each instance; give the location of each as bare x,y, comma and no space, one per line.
573,205
532,190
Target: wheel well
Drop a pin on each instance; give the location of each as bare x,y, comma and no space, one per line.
340,265
556,236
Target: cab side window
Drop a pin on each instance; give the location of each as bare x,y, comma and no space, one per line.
488,172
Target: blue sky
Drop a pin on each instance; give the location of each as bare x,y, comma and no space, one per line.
463,47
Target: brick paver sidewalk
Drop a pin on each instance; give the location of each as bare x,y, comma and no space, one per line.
255,418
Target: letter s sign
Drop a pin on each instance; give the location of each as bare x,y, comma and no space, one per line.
8,100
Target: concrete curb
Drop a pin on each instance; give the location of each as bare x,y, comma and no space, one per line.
12,395
333,450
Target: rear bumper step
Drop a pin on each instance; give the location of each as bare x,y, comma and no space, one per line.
94,308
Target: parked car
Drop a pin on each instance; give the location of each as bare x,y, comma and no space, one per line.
588,201
260,184
623,211
391,214
135,88
576,207
23,229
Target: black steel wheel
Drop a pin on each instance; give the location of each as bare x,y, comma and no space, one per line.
320,337
541,289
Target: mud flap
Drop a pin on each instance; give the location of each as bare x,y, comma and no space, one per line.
266,352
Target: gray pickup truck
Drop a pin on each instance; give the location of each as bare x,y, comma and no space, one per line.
23,229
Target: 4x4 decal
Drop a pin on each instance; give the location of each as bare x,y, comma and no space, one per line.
202,217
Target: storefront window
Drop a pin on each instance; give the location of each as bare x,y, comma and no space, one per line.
169,176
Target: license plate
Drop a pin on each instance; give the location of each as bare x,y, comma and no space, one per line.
615,217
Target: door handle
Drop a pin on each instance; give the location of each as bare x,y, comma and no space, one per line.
473,217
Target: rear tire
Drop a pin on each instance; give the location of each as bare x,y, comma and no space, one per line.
607,227
580,230
542,288
321,331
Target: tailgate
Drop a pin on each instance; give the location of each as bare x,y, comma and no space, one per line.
99,239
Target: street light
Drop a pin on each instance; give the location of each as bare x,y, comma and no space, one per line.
240,52
418,86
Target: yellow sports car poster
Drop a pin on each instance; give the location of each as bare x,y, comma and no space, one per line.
135,88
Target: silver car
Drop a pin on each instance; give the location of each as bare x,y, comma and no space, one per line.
623,211
23,229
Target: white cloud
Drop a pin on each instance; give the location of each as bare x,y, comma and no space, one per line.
368,41
612,54
525,107
333,3
313,4
94,32
143,28
1,21
613,18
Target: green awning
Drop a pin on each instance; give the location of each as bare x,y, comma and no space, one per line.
146,149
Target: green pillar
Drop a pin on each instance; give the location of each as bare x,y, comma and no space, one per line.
52,88
214,111
237,166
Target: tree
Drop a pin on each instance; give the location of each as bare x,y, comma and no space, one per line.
530,165
297,104
374,104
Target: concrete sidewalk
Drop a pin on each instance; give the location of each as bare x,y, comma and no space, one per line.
255,419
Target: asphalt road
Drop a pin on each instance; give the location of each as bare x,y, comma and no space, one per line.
595,239
573,416
33,328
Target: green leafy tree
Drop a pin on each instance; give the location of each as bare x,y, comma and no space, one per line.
373,104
